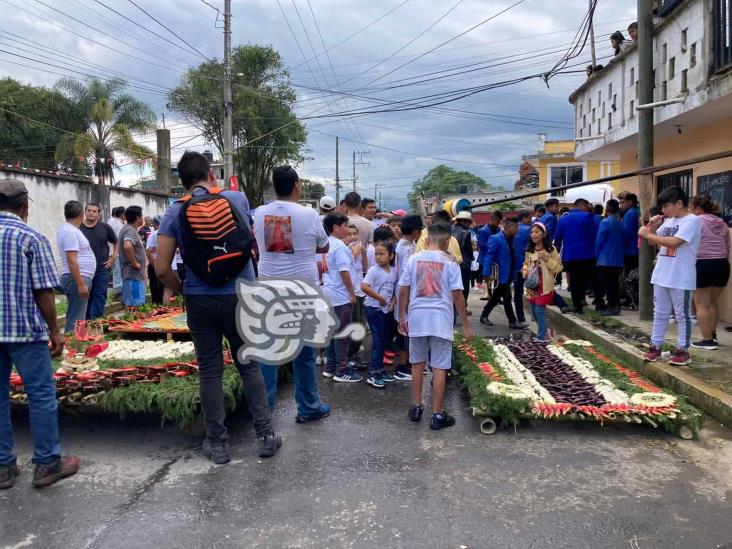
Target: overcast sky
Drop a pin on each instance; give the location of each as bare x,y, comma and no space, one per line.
525,40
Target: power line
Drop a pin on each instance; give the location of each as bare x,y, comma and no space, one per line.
151,16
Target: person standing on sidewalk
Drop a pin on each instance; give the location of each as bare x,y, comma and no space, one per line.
575,237
540,266
631,224
211,317
610,259
549,215
100,237
501,252
712,269
117,221
290,253
520,242
461,233
78,264
677,233
28,326
134,259
151,249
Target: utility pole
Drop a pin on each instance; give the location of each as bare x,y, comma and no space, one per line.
163,172
592,38
228,103
646,188
338,181
360,163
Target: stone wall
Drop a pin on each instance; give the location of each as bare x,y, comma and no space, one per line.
49,192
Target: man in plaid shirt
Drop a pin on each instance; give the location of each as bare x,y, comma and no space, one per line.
27,322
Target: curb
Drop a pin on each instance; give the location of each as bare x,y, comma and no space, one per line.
716,403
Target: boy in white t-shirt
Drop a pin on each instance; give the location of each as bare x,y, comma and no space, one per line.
429,286
338,287
677,233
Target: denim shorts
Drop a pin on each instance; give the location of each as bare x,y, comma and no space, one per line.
435,350
133,292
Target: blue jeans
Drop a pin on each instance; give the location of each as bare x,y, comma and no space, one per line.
337,352
98,293
117,277
539,314
305,376
76,305
377,322
33,362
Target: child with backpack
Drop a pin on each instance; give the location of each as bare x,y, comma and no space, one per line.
378,285
429,287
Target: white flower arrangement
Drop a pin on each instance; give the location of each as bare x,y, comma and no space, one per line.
578,342
520,375
510,391
146,350
585,368
653,400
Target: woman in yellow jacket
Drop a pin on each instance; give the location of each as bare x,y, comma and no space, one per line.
541,264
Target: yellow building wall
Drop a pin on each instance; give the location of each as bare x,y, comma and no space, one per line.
692,143
593,169
559,147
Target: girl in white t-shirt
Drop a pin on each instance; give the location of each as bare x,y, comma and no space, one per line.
378,286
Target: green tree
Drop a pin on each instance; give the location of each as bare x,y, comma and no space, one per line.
29,143
312,190
114,116
443,180
266,130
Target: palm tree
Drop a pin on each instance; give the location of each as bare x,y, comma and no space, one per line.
113,117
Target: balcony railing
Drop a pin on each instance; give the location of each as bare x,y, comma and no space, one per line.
722,37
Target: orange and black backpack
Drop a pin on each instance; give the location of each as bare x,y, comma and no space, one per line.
216,239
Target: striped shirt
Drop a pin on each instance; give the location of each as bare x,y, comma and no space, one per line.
26,264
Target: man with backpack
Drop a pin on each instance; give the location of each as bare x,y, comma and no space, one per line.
212,228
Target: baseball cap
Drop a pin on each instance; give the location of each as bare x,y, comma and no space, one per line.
400,213
464,215
10,188
327,203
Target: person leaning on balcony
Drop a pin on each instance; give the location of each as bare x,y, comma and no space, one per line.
617,40
633,34
712,268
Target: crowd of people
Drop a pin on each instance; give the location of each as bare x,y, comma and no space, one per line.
406,276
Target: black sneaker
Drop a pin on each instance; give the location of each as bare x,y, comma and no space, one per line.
217,452
268,445
415,413
46,474
356,366
441,420
8,473
484,320
322,411
610,312
708,344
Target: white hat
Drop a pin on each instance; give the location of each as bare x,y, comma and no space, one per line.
464,215
327,203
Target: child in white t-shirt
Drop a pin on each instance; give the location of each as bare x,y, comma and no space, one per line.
429,287
677,233
378,285
339,289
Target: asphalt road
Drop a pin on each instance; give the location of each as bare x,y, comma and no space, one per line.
367,477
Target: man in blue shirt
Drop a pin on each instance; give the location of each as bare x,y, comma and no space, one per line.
211,316
500,252
631,224
609,252
549,219
576,235
520,241
27,322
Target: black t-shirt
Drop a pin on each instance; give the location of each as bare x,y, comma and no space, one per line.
99,237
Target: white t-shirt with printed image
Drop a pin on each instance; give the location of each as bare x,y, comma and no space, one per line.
404,250
677,268
287,235
383,284
338,259
432,277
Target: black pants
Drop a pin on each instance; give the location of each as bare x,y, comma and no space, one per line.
465,275
156,287
580,276
354,347
518,296
501,291
631,262
211,317
609,286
